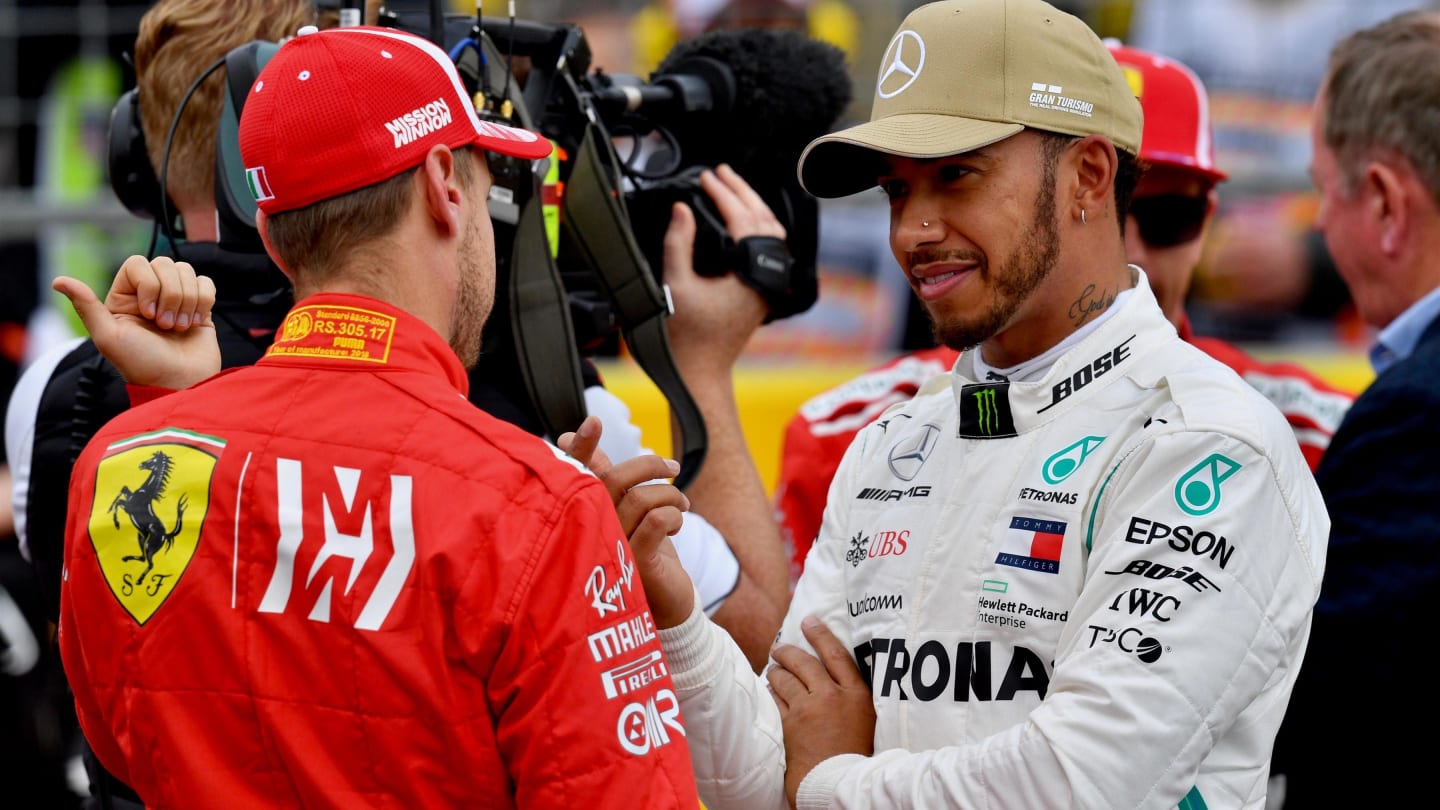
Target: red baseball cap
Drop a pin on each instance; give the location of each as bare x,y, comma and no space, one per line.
1177,111
340,109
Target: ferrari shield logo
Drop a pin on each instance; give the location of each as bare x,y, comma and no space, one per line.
151,495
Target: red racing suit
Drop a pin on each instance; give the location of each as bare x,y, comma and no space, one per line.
820,432
328,580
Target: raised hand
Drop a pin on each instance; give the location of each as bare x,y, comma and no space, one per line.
650,510
155,323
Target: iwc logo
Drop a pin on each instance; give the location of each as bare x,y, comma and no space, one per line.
149,502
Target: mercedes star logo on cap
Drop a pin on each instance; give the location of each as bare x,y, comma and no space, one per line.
905,48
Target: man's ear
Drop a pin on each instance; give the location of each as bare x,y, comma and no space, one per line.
1386,190
262,224
1093,165
441,191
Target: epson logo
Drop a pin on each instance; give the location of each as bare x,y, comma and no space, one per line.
1181,538
934,671
879,494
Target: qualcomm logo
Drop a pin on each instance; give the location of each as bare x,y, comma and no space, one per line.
902,63
909,454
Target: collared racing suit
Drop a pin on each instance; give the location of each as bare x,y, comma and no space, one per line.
328,580
818,435
1093,590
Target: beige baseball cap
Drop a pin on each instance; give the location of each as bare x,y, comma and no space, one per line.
962,74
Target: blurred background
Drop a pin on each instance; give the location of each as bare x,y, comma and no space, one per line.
1265,282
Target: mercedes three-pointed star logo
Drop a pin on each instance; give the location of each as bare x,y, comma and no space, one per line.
909,454
902,64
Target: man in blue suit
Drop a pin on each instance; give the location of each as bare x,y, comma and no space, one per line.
1361,720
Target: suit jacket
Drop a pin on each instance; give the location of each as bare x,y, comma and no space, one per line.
1363,714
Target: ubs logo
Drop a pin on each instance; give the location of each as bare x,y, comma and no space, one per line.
901,66
910,454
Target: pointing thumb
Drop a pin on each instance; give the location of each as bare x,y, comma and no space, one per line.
92,312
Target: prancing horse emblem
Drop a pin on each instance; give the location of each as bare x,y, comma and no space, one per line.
139,506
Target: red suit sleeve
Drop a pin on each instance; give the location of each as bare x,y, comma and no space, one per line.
584,708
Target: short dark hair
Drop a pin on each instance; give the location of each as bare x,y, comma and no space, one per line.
1127,173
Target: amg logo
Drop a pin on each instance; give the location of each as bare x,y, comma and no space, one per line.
1028,494
878,494
628,635
929,670
420,122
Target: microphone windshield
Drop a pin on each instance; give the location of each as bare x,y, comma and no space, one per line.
789,89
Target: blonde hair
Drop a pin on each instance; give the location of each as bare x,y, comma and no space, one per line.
177,41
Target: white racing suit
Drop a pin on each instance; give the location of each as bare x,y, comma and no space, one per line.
1093,590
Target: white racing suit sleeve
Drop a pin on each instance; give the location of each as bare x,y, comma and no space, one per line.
703,552
1189,626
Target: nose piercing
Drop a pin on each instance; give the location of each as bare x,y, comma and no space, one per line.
924,223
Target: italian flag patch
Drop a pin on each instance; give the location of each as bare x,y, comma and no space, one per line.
259,186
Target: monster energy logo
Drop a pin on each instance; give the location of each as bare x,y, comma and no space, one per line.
989,418
985,411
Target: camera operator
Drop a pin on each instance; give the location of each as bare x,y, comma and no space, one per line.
490,647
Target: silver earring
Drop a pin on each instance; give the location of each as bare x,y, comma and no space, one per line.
1082,216
924,223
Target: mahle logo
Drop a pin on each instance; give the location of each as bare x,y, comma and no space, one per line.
1198,490
1067,460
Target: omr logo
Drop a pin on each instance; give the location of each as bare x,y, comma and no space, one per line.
1198,490
1066,461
